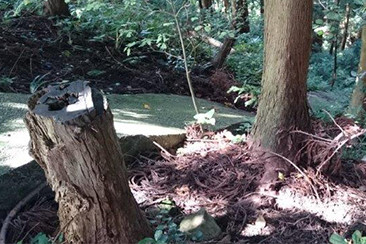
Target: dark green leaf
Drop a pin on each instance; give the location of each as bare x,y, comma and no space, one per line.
337,239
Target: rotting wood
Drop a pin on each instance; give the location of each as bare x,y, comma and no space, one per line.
74,141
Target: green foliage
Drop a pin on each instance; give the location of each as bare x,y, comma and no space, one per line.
252,92
325,103
38,82
22,6
5,82
95,72
166,231
42,238
5,5
320,76
356,151
247,63
357,238
133,25
329,16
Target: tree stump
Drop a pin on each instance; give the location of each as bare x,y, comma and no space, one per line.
74,141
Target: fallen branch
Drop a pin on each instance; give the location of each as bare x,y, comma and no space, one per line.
340,144
209,40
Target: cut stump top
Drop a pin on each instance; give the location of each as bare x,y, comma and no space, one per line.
69,101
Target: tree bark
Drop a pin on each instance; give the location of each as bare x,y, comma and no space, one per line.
56,8
262,6
283,104
346,24
358,101
74,141
205,3
226,5
221,56
335,61
241,18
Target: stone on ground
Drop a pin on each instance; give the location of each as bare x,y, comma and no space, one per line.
201,222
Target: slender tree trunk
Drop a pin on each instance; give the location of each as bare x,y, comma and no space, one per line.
56,8
226,5
243,18
335,40
74,141
358,101
262,7
335,61
240,18
346,24
283,104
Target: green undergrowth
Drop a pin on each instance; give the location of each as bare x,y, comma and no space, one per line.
136,27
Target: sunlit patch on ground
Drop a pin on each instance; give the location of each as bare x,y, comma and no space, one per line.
212,172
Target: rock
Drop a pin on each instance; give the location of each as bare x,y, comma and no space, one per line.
169,141
135,145
203,222
364,159
132,146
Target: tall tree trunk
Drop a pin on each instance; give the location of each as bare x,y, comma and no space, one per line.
358,101
262,6
283,104
335,61
346,24
240,14
74,141
56,8
226,5
335,40
205,3
243,16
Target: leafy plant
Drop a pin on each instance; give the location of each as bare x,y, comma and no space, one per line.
357,238
166,231
95,72
5,4
356,151
251,94
20,6
38,82
206,118
5,82
42,238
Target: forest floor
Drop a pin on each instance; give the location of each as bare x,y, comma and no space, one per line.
210,171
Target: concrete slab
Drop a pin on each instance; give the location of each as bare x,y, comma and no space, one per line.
146,114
